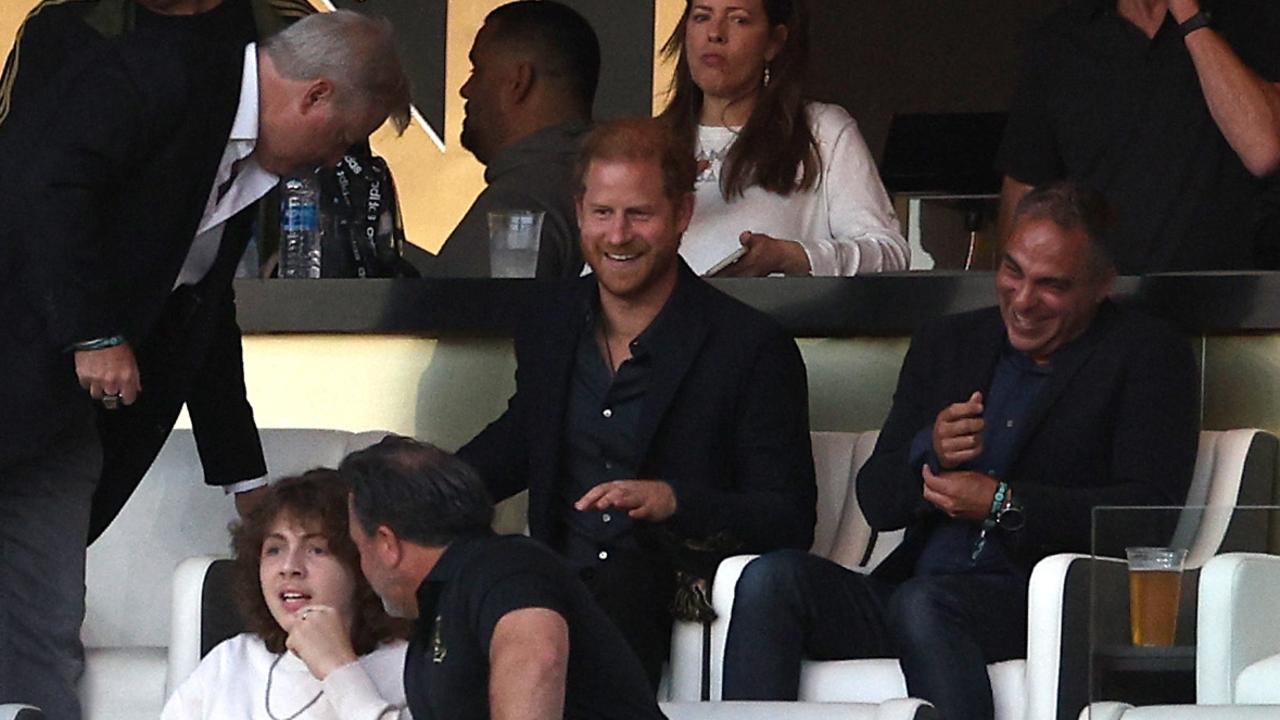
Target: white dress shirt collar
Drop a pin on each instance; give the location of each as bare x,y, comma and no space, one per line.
247,185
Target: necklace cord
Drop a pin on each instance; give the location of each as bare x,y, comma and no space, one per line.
266,700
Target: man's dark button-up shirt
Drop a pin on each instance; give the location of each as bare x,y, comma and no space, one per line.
1007,407
1101,103
478,581
601,431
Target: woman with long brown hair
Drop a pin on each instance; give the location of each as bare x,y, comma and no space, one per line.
320,645
787,183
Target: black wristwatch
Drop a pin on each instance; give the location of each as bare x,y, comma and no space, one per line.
1010,517
1195,22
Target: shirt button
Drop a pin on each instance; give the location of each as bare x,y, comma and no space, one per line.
1008,423
608,465
991,472
608,413
603,554
606,518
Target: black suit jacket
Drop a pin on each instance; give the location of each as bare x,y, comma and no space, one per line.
113,165
1116,425
725,421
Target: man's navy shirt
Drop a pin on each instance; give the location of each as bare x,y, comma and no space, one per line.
1007,406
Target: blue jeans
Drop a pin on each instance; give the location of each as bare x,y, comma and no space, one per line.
44,520
944,629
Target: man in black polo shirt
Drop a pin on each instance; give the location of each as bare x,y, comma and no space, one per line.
1172,114
502,624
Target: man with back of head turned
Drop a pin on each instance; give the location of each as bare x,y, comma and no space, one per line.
504,629
1008,426
121,225
658,424
534,69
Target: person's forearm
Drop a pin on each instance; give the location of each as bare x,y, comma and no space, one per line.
871,250
1245,107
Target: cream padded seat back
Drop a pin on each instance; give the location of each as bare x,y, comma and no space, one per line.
833,464
1218,484
1238,641
842,533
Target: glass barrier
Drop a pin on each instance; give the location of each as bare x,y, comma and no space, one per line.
1143,592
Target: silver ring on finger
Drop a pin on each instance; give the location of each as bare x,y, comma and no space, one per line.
111,401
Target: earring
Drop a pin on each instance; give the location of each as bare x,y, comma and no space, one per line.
766,74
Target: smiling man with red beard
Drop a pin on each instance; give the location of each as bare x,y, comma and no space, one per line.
658,424
1008,426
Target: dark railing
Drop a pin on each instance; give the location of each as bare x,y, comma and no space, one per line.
889,304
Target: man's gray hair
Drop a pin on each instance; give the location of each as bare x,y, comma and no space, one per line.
354,52
1074,206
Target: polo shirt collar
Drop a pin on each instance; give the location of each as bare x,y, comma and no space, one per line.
451,562
553,145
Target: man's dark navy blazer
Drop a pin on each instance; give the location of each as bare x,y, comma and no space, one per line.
1116,425
725,421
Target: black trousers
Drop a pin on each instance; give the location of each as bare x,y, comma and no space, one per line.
634,587
44,514
944,629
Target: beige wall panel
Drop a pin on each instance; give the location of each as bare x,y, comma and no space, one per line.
1242,382
445,391
456,387
851,380
440,391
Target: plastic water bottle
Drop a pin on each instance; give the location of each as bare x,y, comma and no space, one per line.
300,228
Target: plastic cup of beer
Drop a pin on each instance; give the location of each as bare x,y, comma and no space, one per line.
514,236
1155,583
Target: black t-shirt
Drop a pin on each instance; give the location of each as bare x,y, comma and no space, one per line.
56,34
479,580
1101,103
231,22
